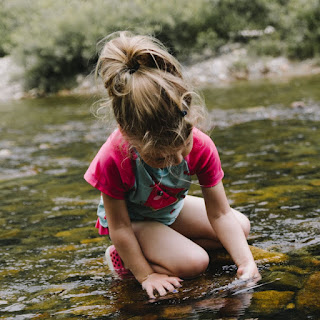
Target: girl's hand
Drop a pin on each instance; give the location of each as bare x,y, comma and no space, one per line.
161,283
249,271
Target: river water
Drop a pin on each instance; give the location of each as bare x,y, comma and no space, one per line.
51,263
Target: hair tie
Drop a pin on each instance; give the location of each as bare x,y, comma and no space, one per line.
183,113
134,68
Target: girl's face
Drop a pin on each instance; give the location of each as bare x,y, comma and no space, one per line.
171,158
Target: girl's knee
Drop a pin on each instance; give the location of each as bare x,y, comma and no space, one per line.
246,227
244,222
193,264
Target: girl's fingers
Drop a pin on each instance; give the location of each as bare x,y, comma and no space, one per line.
175,281
161,290
149,290
169,287
162,286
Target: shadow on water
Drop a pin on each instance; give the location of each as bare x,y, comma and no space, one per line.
51,262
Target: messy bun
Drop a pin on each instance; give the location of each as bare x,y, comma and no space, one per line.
149,97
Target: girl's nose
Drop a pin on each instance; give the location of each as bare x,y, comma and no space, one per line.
177,159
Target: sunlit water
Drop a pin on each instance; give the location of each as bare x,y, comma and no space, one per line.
51,263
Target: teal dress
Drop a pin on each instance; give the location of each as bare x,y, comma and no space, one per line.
157,194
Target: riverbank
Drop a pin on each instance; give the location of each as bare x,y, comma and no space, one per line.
224,70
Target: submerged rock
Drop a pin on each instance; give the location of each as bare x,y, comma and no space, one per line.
309,298
259,255
176,312
286,279
298,104
10,233
270,301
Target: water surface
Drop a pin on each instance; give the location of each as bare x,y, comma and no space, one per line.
51,262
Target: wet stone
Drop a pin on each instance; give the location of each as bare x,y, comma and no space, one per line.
9,273
315,262
9,233
259,255
315,182
145,317
47,304
77,234
93,240
270,301
94,311
40,316
286,279
290,268
176,312
309,298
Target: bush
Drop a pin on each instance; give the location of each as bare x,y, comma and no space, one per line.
61,37
268,45
304,42
56,39
12,16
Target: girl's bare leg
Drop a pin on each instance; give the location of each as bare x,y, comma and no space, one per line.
194,224
178,250
168,251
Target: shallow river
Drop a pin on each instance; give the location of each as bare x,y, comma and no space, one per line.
51,263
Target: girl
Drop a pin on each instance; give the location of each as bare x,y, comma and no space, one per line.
144,172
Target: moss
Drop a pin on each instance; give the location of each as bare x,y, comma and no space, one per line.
263,256
45,305
309,297
176,312
9,234
270,192
290,268
93,240
271,301
76,234
44,316
286,279
148,316
259,255
66,233
8,273
67,248
89,300
95,311
315,262
315,182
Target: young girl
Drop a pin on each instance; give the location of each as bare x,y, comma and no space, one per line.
144,172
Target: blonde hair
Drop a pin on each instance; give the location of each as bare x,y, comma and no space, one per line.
150,98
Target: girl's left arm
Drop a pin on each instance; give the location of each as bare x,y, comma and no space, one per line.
229,231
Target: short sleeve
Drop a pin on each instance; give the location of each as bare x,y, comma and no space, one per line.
204,160
111,170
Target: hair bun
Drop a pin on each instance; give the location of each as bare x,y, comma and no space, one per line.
133,66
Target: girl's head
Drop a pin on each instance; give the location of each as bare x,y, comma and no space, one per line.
149,97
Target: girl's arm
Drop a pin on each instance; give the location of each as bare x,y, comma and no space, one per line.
127,245
229,231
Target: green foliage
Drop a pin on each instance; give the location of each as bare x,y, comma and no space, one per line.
305,40
269,45
56,39
12,16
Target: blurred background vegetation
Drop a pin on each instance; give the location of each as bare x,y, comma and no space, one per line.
54,40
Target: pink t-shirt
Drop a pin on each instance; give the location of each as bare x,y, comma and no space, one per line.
112,171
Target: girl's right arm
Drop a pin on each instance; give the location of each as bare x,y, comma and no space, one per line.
128,247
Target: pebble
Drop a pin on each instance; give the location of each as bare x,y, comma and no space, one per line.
4,153
297,105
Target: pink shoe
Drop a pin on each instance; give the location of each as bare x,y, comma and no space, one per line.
114,261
